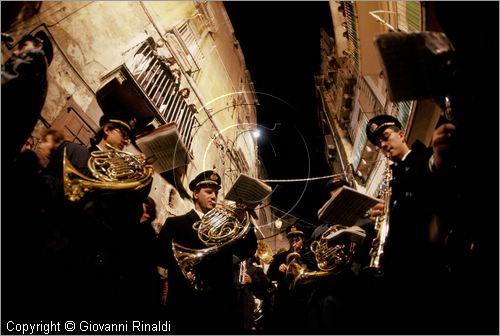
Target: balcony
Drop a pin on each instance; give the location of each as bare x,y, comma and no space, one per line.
147,87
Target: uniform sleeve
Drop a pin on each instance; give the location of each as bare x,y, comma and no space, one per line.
273,273
247,246
164,245
79,156
261,284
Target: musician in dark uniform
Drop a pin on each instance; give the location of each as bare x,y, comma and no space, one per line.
24,89
252,283
42,235
108,250
290,302
334,296
412,260
211,306
470,215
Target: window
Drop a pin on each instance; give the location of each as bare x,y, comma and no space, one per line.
75,124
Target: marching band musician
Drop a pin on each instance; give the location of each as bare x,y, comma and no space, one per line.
24,89
411,259
333,297
44,232
252,283
289,302
109,259
213,307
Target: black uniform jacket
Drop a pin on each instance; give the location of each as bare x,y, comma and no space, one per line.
24,88
218,295
412,205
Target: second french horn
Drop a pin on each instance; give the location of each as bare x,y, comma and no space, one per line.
333,253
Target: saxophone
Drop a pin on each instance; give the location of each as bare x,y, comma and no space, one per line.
382,221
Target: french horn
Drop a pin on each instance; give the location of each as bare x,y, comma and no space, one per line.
333,253
218,229
111,169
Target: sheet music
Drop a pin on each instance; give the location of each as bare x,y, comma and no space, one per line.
249,189
346,206
164,147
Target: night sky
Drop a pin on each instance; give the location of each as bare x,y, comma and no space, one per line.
281,45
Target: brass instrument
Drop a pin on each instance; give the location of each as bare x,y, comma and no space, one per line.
382,221
333,252
264,252
112,169
218,229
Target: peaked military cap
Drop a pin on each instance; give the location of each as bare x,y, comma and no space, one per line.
121,120
294,232
378,124
208,178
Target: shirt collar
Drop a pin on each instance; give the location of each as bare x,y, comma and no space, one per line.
406,155
199,213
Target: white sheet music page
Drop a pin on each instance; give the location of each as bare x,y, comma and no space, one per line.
164,147
249,189
346,206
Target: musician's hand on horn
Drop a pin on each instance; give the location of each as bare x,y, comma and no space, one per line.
241,207
247,279
283,268
377,211
148,163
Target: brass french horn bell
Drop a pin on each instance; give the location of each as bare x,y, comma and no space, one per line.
218,229
111,170
333,252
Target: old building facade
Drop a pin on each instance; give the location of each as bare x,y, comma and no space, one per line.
139,58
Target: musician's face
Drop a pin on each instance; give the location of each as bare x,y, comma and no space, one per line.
392,142
116,137
296,243
205,198
45,149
